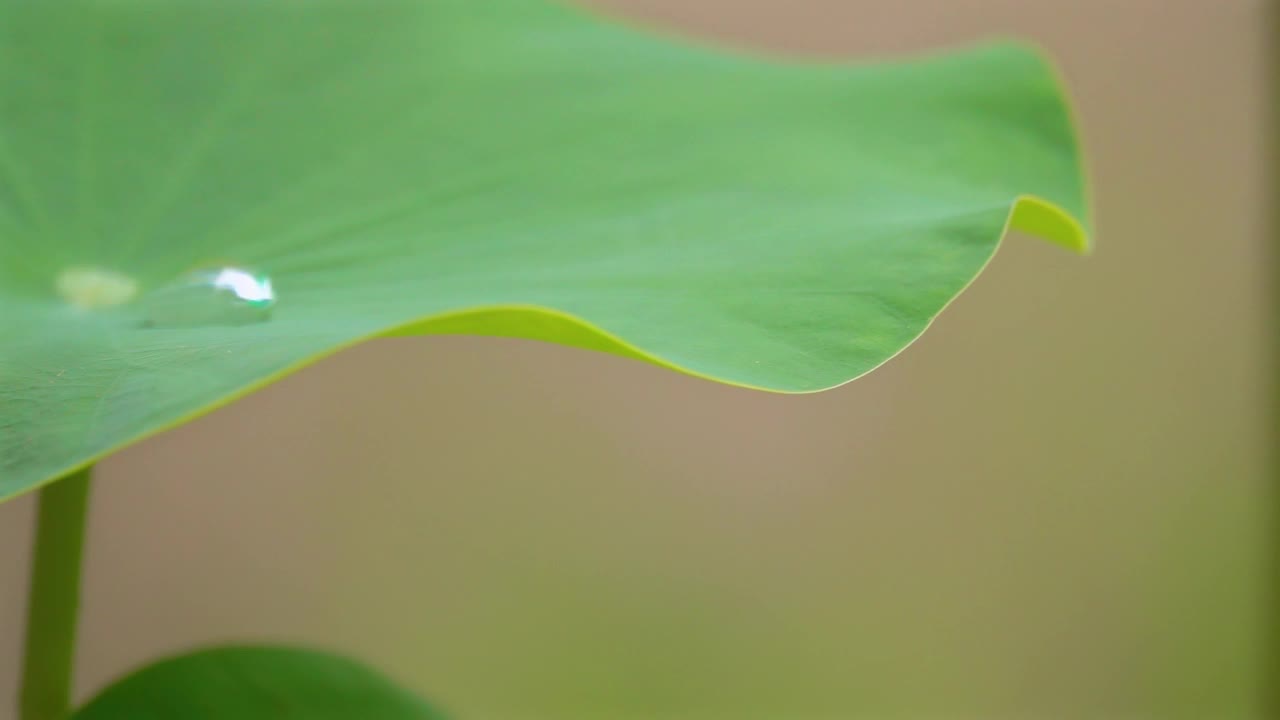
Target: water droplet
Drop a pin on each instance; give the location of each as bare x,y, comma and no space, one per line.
92,287
218,296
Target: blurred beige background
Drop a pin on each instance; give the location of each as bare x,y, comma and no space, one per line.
1051,506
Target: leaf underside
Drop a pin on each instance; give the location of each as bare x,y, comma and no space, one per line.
255,683
507,167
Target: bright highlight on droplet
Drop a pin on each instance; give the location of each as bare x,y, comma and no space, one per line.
246,286
214,296
92,287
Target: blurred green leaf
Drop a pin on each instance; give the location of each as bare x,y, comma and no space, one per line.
255,683
507,167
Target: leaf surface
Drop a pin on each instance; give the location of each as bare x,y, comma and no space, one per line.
507,167
255,683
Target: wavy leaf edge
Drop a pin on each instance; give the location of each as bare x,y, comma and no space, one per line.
1028,213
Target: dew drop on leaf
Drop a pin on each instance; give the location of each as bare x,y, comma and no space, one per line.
217,296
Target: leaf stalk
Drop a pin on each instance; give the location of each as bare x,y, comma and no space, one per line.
54,598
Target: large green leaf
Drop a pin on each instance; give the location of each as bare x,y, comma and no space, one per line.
505,167
255,683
